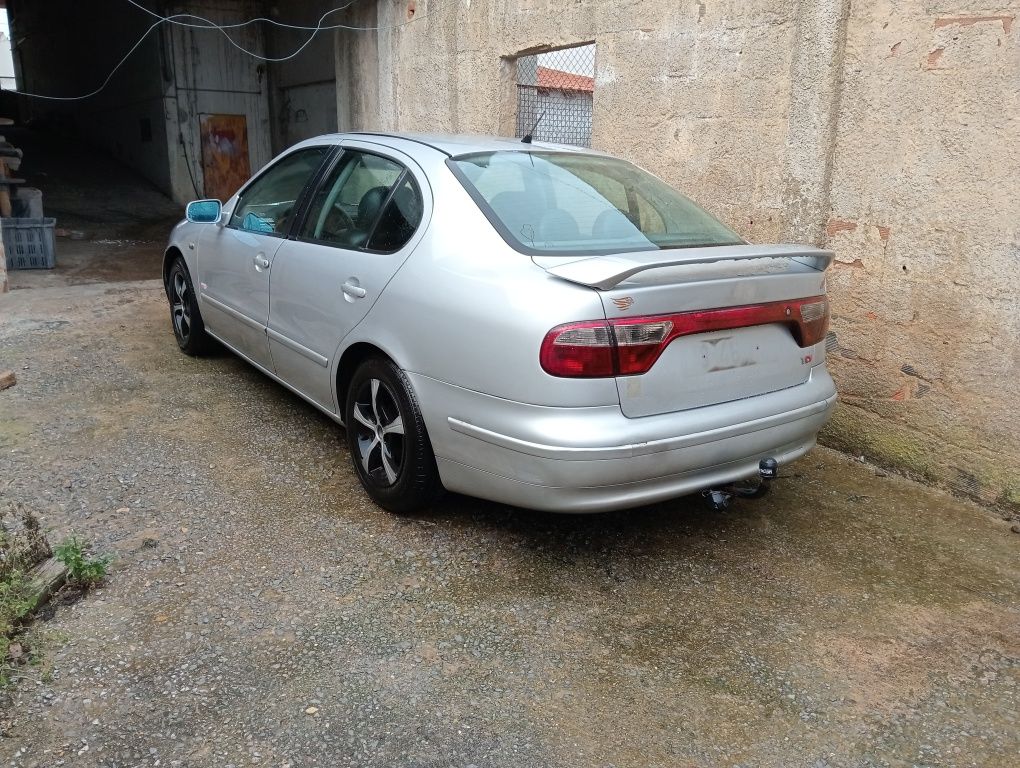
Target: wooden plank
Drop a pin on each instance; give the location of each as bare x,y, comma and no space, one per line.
45,579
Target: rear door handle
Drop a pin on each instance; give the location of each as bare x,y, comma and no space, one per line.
354,291
261,263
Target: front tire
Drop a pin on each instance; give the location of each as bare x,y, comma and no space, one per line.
186,320
390,447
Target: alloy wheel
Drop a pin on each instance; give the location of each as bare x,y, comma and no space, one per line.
180,307
379,429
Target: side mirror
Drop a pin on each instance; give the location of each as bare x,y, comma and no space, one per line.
204,211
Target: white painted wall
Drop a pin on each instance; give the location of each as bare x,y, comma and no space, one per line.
7,80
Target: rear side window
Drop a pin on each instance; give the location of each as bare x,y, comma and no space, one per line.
565,203
267,206
367,202
400,218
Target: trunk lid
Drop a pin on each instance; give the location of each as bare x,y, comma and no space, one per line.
716,366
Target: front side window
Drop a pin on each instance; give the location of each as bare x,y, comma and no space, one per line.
365,202
268,205
554,203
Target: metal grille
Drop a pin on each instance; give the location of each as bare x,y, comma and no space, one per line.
554,95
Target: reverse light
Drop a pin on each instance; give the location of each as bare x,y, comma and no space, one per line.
639,344
814,316
630,346
579,350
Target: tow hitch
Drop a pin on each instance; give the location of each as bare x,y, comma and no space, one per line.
719,498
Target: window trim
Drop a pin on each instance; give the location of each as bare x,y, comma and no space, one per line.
301,200
504,231
405,173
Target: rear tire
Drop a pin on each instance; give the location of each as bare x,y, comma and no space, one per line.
185,318
390,447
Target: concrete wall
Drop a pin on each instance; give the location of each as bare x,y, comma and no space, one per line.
303,88
886,130
210,75
925,219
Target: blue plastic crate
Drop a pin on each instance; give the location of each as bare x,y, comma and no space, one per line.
29,243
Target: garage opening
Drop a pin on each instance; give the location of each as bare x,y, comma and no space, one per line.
114,114
555,93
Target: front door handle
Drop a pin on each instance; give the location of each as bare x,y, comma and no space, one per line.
354,291
261,263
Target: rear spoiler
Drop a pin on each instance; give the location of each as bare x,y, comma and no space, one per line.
605,272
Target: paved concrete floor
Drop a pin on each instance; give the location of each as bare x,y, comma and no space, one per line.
262,611
111,224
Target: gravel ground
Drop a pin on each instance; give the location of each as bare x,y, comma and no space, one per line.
261,611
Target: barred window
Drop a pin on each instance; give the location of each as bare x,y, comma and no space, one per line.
555,92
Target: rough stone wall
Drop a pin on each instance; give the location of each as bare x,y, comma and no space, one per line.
886,130
925,222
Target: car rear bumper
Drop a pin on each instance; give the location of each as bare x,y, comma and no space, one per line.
595,459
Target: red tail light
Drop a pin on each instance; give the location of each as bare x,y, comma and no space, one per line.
629,346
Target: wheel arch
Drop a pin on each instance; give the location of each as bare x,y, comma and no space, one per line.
171,254
349,361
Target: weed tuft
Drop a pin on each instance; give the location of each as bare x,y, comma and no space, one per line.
85,572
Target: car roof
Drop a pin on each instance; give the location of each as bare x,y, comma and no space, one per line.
462,144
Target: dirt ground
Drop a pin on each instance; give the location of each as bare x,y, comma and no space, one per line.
261,611
849,619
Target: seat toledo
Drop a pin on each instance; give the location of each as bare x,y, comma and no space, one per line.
539,325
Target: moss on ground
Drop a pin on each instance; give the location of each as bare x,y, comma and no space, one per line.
897,447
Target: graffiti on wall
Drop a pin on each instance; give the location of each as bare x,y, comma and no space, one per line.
225,164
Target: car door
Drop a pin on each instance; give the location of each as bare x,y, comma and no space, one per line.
235,260
362,222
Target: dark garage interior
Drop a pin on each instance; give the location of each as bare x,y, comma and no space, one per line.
122,117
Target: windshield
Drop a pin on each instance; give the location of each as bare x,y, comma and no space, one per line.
561,203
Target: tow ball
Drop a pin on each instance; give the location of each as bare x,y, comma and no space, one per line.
719,498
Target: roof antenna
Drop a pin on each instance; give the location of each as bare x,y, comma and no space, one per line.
529,134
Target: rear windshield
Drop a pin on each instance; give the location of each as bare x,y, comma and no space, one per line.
561,203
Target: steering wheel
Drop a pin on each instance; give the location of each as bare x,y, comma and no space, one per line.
337,222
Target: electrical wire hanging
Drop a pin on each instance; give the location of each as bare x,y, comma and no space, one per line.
178,19
222,28
249,22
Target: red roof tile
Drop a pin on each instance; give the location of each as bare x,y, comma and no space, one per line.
564,81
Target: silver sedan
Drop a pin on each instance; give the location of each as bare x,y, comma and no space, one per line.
535,324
